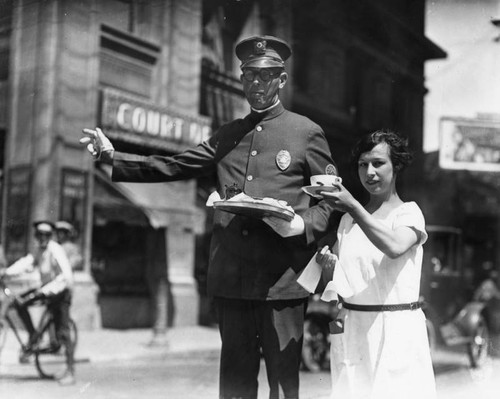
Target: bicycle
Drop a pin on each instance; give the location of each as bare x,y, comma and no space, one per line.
50,360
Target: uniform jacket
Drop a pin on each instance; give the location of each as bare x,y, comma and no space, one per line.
248,260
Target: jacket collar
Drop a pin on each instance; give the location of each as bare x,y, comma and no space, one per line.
270,113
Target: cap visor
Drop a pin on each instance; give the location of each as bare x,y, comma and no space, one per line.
44,228
262,63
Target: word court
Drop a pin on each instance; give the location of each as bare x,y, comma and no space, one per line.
128,115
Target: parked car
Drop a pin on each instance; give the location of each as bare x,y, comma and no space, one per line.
454,317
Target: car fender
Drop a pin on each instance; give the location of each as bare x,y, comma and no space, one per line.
468,317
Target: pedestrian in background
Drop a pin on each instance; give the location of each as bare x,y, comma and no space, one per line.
51,264
65,237
254,264
383,351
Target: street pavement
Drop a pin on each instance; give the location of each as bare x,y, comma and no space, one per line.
118,345
127,364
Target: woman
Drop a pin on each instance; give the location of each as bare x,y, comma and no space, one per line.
383,351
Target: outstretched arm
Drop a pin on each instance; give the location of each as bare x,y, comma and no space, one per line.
392,242
98,145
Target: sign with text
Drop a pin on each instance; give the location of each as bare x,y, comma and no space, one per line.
470,144
131,119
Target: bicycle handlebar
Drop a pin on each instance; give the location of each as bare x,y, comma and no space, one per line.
20,299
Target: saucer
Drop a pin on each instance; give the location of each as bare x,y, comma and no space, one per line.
314,191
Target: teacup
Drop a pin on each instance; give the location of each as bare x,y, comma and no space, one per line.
325,180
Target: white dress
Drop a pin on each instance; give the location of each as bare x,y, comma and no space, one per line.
381,354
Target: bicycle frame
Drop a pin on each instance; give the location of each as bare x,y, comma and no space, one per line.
4,314
45,343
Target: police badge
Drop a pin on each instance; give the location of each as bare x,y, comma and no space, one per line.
330,170
283,159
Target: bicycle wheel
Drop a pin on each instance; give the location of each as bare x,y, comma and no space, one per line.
50,355
478,347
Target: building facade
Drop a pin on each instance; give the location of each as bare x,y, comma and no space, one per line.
159,76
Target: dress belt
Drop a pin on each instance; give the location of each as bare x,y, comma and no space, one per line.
383,308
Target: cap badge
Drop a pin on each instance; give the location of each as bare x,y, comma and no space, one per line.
259,47
330,169
283,159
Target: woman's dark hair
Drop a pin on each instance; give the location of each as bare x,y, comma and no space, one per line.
400,154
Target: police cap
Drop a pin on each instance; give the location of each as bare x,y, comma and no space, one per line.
263,52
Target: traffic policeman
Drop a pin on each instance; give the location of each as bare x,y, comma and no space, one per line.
254,263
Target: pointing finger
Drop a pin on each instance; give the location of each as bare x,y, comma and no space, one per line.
91,133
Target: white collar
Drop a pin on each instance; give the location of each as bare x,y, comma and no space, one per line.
267,109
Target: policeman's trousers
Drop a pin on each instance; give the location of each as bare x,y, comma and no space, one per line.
251,330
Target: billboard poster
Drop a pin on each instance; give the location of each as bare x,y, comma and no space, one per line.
470,144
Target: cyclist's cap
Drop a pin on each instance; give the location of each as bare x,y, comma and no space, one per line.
263,52
63,225
44,226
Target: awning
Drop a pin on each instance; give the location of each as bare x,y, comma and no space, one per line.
157,204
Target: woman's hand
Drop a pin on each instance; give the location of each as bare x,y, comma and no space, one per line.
341,200
326,259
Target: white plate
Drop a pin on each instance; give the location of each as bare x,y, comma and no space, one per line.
253,209
314,191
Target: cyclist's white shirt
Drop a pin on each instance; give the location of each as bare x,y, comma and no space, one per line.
52,266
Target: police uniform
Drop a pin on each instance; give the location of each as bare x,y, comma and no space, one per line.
252,270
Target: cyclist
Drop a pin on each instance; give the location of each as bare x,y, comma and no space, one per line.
50,263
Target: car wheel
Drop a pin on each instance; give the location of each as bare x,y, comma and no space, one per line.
478,347
316,346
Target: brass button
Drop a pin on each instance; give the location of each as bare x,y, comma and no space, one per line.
253,153
259,128
249,177
244,233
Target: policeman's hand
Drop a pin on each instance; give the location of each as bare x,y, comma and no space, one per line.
284,228
98,145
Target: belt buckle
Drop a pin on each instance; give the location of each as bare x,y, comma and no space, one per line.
414,306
